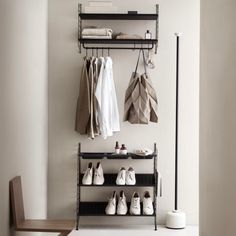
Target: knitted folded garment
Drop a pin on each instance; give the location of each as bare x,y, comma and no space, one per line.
128,36
96,36
96,32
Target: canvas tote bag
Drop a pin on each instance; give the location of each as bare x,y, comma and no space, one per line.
137,108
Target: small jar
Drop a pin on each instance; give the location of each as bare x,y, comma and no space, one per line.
117,148
123,150
148,35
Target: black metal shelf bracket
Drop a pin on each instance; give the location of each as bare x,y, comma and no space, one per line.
78,187
157,27
155,185
79,26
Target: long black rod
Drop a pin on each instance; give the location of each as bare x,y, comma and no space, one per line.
176,122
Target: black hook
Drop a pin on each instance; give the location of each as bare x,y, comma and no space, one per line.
97,52
102,52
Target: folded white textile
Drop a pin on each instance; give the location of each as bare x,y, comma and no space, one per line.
100,3
96,37
100,9
97,32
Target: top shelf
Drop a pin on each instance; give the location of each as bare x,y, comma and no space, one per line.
117,16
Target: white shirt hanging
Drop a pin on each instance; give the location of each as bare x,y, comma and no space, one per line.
105,93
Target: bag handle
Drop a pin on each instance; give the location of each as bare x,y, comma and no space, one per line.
144,62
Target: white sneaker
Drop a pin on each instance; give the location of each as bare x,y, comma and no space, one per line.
122,205
111,206
135,205
98,178
147,204
88,176
120,179
130,177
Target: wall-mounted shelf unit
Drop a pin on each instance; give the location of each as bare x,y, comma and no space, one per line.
96,208
108,44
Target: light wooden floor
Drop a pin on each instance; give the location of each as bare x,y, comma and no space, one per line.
140,231
132,231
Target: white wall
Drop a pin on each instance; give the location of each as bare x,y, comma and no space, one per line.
64,73
217,118
23,106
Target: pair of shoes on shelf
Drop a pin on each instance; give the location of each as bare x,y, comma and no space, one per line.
121,206
126,177
135,206
97,178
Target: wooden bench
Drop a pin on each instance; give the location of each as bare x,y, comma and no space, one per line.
64,227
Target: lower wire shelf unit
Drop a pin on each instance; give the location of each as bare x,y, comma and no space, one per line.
149,180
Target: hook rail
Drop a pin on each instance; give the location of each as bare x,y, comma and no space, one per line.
137,44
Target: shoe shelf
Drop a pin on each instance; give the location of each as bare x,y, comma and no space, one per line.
142,180
98,209
110,155
145,44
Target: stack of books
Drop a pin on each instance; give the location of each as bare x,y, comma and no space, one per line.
103,6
